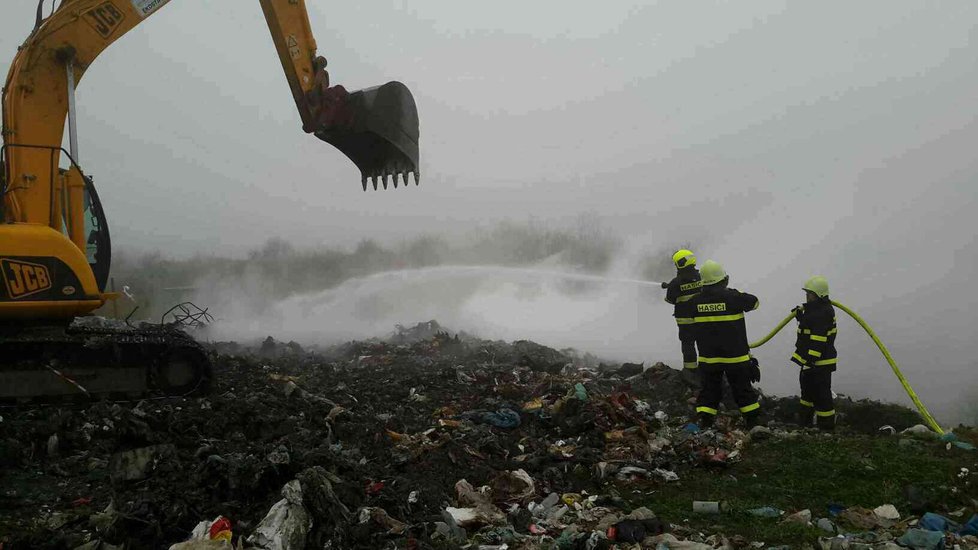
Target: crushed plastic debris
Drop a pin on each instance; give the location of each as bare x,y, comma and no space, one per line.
886,515
919,430
803,517
287,523
922,539
138,463
825,524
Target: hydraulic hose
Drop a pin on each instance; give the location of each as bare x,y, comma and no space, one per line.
889,358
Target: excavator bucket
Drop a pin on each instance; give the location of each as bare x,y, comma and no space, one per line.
382,137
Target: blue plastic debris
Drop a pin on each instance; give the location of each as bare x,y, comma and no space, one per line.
580,392
936,522
922,539
503,418
971,528
950,437
691,428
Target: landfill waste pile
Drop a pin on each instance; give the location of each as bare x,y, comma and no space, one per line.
430,439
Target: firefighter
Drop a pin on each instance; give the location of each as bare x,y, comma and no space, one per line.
815,354
721,338
679,291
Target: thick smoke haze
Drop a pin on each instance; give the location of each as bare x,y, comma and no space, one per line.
624,318
782,139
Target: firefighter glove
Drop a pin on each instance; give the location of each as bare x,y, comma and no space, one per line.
755,370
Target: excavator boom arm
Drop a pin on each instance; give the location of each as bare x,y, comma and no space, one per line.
376,128
292,35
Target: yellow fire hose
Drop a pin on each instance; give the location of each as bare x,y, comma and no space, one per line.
889,358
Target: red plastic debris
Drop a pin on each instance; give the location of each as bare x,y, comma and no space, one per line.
375,487
221,529
75,503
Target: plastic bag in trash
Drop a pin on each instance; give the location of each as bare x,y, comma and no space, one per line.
208,535
937,522
287,523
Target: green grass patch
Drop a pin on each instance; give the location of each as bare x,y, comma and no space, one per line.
813,472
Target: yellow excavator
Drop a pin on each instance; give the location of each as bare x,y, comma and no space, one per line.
54,240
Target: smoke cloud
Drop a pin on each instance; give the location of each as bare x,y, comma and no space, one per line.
624,317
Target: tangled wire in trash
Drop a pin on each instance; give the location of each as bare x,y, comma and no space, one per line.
187,315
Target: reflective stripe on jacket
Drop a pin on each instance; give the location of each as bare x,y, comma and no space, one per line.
682,288
721,333
815,345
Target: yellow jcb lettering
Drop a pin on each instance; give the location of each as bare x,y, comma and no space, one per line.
30,279
42,277
17,281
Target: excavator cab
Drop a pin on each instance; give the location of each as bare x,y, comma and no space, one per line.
98,247
380,134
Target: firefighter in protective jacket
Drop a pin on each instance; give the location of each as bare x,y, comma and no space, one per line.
815,354
679,291
721,338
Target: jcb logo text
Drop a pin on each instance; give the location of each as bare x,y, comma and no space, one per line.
104,18
23,279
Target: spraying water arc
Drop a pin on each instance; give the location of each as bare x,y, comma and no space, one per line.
553,306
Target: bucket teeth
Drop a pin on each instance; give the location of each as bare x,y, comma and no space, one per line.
395,177
376,128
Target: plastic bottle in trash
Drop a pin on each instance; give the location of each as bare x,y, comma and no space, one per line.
765,512
709,507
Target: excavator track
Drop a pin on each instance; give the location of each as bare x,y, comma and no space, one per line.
44,364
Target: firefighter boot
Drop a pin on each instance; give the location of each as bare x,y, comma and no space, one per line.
804,416
705,421
826,423
752,419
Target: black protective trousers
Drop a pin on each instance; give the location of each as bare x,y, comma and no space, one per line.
738,376
816,391
687,338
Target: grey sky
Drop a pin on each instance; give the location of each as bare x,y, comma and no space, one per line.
633,110
784,138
